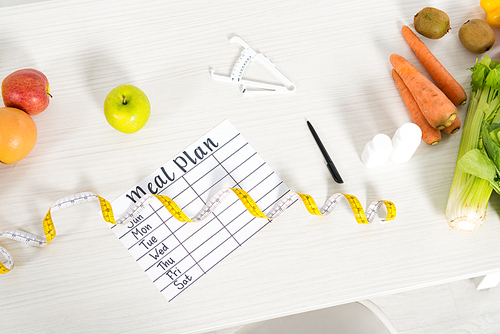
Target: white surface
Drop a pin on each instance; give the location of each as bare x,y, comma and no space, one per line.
7,3
487,281
450,308
351,318
337,53
455,307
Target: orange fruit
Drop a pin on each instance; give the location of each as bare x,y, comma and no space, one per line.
17,135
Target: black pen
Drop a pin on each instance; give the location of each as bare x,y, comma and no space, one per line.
329,162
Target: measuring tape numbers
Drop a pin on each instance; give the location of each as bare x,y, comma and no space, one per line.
361,216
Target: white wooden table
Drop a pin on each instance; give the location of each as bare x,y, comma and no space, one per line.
336,53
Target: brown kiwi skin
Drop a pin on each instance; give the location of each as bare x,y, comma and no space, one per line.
476,36
431,23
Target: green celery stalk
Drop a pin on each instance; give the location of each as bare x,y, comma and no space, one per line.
469,193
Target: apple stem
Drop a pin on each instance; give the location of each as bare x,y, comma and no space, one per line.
124,100
49,95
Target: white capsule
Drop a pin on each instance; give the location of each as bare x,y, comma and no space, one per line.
405,142
377,151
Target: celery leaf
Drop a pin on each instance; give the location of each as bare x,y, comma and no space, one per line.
490,144
476,163
493,79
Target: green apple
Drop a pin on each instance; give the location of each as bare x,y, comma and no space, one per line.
127,108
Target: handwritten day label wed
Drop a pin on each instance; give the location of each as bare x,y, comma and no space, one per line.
173,254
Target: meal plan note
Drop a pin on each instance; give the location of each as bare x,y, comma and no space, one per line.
175,255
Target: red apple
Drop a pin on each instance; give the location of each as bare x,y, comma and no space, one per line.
26,89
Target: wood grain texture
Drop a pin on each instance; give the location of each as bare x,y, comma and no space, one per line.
337,53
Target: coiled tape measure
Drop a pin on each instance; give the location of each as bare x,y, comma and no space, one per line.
361,216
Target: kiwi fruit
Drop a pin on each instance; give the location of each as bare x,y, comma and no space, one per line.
432,23
476,36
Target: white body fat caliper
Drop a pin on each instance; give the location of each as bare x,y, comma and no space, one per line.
248,86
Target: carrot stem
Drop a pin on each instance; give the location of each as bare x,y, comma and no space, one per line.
454,127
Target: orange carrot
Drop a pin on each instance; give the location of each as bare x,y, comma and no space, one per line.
442,78
439,111
429,135
454,127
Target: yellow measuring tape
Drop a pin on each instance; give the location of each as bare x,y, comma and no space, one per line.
281,206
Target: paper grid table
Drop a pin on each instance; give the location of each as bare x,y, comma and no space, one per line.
173,254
